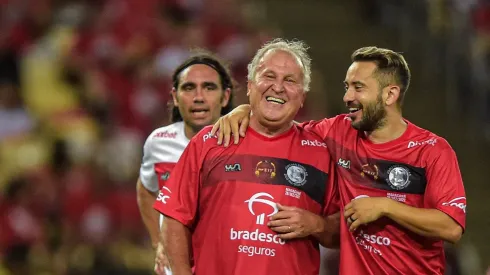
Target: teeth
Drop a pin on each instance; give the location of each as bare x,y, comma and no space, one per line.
352,110
273,99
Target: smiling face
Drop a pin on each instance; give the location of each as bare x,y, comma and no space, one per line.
276,94
200,96
364,97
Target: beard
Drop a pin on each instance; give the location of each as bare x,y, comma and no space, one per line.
373,116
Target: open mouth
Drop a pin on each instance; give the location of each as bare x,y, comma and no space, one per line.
199,111
353,110
275,100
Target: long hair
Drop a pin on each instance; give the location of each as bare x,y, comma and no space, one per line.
208,59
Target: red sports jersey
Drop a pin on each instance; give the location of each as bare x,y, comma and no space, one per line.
419,169
225,195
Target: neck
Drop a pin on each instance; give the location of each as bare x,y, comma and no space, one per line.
264,128
393,128
190,131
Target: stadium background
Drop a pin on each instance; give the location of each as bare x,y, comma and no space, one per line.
83,82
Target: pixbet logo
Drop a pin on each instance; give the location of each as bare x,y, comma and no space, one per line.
305,142
431,141
457,202
208,136
257,198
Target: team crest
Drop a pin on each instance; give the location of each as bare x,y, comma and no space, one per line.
398,177
296,174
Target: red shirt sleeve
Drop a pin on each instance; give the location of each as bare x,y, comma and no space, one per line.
178,198
320,127
445,190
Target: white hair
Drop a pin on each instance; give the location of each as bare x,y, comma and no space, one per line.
296,48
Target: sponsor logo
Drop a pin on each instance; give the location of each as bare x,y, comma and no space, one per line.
258,198
269,239
296,174
371,170
431,141
316,143
208,136
164,195
165,176
344,163
292,193
457,202
233,167
165,134
366,241
265,169
397,197
398,177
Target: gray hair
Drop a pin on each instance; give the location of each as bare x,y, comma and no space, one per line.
297,48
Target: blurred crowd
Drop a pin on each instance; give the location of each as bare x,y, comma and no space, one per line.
82,83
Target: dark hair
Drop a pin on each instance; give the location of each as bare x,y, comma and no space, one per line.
392,67
208,59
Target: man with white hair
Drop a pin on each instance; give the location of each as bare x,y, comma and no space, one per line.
221,198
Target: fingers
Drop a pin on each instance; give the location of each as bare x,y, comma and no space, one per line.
348,206
282,215
215,128
281,207
282,229
355,225
220,132
234,132
226,131
244,125
348,213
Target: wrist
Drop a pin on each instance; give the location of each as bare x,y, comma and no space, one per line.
321,226
387,207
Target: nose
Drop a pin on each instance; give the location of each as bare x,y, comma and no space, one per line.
278,86
348,96
199,95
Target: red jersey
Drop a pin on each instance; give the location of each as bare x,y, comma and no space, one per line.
225,196
419,169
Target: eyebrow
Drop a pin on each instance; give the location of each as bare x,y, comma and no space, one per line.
355,83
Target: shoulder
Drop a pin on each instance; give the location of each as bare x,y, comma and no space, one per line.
167,135
427,140
431,146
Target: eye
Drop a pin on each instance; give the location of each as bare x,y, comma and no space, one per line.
290,80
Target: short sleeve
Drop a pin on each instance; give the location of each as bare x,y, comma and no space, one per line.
178,198
148,176
445,190
319,127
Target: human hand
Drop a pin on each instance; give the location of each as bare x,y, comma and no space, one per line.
235,123
364,210
293,222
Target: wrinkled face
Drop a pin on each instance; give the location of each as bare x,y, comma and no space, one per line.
277,93
200,96
364,97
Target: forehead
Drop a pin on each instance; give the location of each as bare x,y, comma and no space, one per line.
280,61
199,73
360,70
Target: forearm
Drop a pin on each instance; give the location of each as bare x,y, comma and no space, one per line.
328,234
148,214
425,222
177,240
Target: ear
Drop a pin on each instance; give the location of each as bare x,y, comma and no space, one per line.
174,97
249,87
303,99
226,97
392,94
